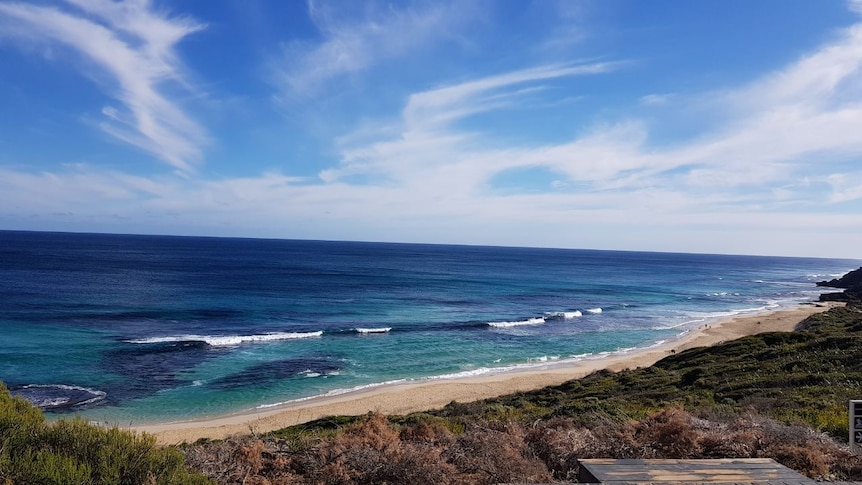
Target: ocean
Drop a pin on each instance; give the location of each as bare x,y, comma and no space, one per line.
142,329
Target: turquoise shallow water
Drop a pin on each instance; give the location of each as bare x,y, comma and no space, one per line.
149,328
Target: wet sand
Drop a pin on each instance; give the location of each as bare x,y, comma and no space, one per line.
423,395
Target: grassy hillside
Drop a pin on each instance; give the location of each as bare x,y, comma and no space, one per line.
777,395
804,377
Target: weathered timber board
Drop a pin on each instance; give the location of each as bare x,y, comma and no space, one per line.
748,470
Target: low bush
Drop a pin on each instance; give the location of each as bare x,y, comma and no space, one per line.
675,433
374,450
33,451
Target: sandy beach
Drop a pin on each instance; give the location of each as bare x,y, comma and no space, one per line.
415,396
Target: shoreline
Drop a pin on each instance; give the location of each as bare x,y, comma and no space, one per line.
420,395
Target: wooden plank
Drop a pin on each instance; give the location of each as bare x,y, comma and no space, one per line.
697,466
722,469
726,470
623,461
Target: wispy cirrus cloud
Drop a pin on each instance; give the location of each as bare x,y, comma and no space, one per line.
134,45
427,139
359,36
656,99
568,26
441,106
800,122
772,168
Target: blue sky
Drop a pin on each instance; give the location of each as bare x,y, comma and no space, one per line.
730,126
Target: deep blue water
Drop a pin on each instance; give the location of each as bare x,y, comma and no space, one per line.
155,328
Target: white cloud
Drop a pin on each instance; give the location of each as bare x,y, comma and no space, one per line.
428,143
764,176
845,187
357,36
813,80
568,25
855,6
791,123
135,46
439,107
656,99
739,172
275,205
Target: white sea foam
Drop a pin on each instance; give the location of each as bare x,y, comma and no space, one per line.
594,310
731,313
534,363
564,315
334,392
677,325
228,340
97,395
544,358
373,330
460,375
529,321
703,317
52,403
544,361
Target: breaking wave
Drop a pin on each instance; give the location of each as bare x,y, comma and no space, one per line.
373,330
563,315
228,340
529,321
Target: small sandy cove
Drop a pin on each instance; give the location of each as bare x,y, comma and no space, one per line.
415,396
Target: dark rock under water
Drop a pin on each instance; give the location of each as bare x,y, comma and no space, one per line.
271,372
58,397
152,367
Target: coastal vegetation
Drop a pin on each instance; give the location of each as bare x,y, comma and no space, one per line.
777,395
34,451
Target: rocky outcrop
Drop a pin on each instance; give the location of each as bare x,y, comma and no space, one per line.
847,296
851,282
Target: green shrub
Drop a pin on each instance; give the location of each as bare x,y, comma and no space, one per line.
75,452
44,467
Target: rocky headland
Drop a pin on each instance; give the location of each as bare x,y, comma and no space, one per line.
852,285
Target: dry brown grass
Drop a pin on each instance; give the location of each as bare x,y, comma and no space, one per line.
374,450
674,433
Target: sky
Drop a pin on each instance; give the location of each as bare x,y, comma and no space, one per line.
720,126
